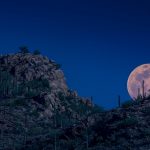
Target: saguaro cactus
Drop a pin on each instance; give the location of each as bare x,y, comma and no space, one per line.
119,101
25,129
55,127
139,93
143,90
91,98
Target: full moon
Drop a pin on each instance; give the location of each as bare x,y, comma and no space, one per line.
138,83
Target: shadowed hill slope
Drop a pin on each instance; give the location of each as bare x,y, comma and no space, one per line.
35,102
38,111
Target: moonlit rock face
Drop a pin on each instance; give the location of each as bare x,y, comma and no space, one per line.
137,76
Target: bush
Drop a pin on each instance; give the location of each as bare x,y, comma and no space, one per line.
34,113
127,104
97,109
58,66
128,122
31,94
24,49
137,101
36,130
6,82
36,52
35,87
38,84
146,111
146,132
19,102
130,103
45,83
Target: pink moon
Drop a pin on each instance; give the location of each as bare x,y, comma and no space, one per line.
139,81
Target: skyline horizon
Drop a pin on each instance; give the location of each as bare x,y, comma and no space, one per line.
70,88
98,43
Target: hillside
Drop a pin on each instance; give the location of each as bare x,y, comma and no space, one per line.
125,128
35,102
38,111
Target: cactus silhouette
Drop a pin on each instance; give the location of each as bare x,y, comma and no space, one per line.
143,90
119,101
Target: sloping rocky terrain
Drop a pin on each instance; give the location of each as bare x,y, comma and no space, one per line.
35,101
39,112
26,67
125,128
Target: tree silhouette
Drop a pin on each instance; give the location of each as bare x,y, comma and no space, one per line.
36,52
24,49
119,101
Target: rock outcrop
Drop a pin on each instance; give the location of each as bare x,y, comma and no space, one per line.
36,104
26,67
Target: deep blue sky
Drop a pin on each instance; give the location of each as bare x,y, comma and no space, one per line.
98,42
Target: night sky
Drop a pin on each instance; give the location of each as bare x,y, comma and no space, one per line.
98,42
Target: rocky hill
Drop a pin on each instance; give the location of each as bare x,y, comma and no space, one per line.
125,128
35,100
39,112
35,76
27,67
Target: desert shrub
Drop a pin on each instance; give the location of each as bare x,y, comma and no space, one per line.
146,132
58,66
34,113
139,98
128,122
9,87
83,109
19,102
137,101
127,104
64,144
61,96
24,49
102,130
35,87
35,130
15,91
31,94
146,111
130,103
6,83
36,52
38,84
97,109
45,83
